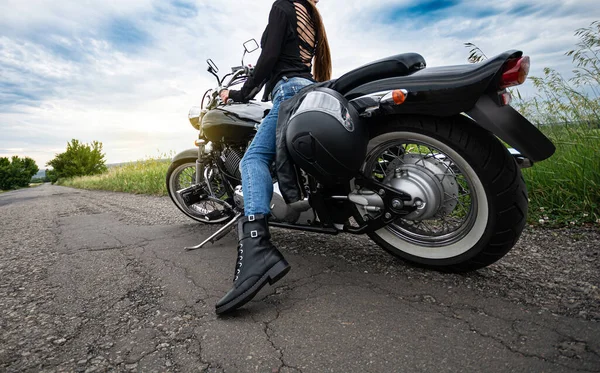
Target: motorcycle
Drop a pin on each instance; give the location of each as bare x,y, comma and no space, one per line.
437,187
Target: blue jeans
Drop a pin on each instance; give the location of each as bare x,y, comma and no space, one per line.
257,183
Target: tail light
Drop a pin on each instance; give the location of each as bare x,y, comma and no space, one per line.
515,72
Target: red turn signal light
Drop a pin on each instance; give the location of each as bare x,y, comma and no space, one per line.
515,72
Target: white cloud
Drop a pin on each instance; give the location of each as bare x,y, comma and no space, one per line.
78,78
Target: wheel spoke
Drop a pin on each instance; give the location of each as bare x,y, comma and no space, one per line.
445,225
431,230
381,168
456,216
400,152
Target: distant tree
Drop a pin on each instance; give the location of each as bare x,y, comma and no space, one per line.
17,172
78,160
5,173
51,175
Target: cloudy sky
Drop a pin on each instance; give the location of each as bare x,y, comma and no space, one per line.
126,72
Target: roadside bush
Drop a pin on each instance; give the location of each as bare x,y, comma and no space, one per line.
78,160
17,172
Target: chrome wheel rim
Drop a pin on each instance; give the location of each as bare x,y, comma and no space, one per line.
444,234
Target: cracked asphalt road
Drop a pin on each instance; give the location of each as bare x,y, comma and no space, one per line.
98,281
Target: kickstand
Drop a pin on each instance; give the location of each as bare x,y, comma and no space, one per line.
218,234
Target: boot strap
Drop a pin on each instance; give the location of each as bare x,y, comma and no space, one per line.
255,233
253,226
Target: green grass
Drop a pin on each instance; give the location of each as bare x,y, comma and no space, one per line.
141,177
565,189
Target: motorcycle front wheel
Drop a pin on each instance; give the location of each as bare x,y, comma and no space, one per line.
471,195
202,207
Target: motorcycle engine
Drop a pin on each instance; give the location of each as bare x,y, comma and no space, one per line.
299,212
232,158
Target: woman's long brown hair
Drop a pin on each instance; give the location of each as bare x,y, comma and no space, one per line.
322,65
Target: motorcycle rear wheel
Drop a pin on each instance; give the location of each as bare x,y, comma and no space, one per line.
484,205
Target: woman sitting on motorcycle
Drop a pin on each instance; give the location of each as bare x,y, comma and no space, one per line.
294,37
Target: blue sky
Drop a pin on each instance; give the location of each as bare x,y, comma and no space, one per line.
125,73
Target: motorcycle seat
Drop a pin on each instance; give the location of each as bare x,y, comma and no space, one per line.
398,65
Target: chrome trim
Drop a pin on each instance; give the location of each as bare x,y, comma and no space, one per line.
233,77
339,198
377,98
366,197
374,96
514,152
208,148
207,177
389,98
522,161
199,166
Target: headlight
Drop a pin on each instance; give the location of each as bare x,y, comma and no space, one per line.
194,116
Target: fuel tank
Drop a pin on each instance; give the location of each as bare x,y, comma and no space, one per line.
234,123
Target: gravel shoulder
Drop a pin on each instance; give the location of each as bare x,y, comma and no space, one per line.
98,281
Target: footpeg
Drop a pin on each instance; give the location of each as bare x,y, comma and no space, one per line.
193,194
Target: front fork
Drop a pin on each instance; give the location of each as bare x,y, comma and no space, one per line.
199,169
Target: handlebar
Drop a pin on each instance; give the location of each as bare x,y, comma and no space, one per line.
238,74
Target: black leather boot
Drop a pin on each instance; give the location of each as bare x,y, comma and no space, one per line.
258,262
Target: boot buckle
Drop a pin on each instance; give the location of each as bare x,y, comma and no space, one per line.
254,234
251,218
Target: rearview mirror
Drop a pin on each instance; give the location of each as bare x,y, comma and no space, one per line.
211,65
250,46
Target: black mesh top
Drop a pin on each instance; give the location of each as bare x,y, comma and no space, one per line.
288,47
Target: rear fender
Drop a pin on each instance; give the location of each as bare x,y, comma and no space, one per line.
453,90
512,128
